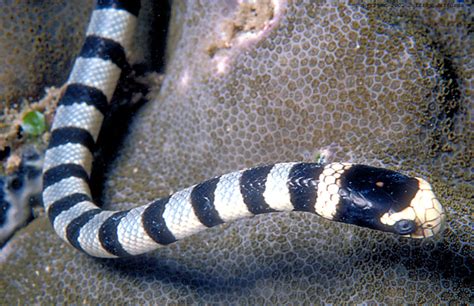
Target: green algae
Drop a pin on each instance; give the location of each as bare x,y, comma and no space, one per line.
33,123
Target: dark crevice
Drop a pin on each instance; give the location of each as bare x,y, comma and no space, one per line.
158,33
127,100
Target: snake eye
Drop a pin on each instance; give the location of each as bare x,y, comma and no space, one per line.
404,227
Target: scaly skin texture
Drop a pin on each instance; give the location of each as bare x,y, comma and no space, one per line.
317,77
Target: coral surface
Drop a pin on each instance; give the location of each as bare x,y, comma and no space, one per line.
249,83
38,41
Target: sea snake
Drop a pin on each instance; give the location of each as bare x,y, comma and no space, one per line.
351,193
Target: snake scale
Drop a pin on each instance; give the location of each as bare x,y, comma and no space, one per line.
357,194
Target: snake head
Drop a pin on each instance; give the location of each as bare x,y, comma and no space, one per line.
389,201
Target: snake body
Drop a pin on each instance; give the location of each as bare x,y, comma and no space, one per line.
356,194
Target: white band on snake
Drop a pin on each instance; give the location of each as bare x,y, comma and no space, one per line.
356,194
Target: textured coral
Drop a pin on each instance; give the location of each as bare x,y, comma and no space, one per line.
306,79
38,40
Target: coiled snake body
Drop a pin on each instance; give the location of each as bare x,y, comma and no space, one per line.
357,194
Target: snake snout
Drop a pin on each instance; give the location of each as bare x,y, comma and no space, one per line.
430,214
424,211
